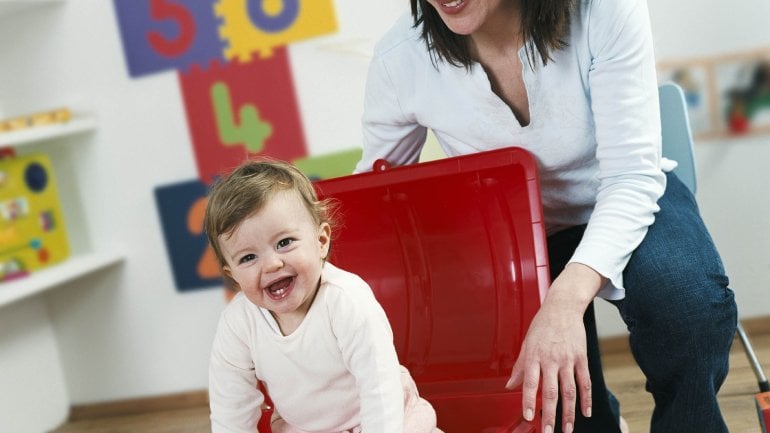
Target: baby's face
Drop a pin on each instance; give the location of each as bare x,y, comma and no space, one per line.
276,255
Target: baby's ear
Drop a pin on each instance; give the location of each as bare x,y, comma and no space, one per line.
229,281
231,285
324,239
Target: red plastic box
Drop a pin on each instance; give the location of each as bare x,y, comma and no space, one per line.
455,251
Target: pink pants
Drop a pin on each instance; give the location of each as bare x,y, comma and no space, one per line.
419,416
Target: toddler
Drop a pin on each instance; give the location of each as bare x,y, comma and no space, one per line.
313,333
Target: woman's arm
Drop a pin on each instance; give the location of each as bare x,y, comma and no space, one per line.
555,349
388,133
624,102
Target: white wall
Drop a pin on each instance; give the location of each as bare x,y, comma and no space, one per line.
127,333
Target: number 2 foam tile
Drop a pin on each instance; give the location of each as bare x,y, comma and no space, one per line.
181,207
237,110
260,26
163,35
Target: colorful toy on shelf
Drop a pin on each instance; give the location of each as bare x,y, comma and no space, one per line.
60,115
32,232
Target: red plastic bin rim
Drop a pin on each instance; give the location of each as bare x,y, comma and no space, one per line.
387,175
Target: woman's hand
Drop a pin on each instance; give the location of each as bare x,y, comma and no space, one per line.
554,350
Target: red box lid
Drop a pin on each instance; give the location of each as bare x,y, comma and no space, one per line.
455,252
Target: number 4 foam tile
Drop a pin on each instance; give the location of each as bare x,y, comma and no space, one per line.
237,110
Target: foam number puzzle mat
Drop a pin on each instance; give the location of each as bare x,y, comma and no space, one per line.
181,207
32,232
236,110
164,34
178,34
251,26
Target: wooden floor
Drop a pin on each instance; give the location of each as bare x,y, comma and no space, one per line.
622,374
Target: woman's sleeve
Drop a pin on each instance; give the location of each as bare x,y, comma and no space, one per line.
366,342
234,398
624,100
388,132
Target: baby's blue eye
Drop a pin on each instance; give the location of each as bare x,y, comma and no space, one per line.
283,243
247,258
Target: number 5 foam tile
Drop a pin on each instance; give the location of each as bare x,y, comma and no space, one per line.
163,34
260,26
237,110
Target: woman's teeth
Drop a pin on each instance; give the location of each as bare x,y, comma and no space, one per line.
453,4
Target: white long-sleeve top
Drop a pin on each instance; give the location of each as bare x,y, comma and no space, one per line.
594,129
337,371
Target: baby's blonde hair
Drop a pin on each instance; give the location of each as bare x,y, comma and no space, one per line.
244,191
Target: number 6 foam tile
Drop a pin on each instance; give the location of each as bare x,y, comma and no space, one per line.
237,110
164,34
261,25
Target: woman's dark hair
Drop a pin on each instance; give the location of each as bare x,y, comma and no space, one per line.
544,26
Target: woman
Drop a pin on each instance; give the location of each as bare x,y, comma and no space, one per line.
574,83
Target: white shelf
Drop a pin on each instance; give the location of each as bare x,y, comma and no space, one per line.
48,278
79,123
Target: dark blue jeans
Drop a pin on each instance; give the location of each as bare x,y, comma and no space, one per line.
681,316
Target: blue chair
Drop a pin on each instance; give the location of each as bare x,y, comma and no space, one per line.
677,138
678,146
